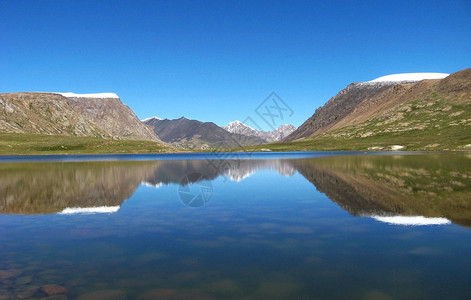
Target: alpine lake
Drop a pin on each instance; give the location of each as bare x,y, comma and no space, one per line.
305,225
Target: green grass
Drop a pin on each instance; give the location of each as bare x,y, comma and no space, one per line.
35,144
412,141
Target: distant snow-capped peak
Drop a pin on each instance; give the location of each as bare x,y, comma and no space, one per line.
236,124
151,118
269,136
409,77
96,95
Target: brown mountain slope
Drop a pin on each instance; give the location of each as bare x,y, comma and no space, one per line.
337,108
54,114
111,115
363,102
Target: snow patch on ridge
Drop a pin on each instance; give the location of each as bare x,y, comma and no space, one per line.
409,77
97,95
151,118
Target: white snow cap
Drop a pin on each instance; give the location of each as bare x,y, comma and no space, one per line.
409,77
411,220
237,122
151,118
99,95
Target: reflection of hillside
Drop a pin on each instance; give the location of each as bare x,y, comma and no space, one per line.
245,168
51,187
410,185
174,171
431,186
102,186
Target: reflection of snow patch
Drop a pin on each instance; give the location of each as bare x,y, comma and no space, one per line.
90,210
237,176
411,220
148,184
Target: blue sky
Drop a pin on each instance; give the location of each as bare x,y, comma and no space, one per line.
218,60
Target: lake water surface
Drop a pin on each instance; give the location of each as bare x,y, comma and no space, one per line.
236,226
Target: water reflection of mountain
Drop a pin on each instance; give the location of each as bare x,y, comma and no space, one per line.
434,186
236,170
32,188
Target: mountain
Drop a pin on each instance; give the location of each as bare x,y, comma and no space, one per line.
359,101
96,115
407,108
269,136
193,134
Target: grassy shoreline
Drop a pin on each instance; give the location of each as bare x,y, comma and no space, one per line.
36,144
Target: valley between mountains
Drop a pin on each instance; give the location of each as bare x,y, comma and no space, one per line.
414,111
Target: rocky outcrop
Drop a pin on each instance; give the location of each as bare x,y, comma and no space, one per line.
111,115
74,115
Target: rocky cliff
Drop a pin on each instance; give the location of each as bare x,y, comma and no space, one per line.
98,115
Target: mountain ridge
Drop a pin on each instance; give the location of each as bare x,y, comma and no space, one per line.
365,101
193,134
269,136
75,115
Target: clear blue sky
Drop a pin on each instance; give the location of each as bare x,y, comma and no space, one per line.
217,60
